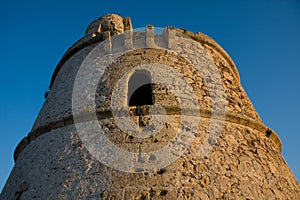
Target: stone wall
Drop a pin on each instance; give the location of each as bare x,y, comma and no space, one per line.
244,164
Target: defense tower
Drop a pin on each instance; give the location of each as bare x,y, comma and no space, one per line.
210,144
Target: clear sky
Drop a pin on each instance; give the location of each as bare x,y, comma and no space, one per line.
261,36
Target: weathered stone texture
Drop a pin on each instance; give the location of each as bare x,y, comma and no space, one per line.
111,22
245,163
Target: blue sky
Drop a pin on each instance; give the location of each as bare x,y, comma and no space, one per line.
262,37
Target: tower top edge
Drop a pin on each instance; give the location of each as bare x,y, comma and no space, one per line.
109,22
113,24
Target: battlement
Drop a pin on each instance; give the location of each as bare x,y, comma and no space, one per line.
109,25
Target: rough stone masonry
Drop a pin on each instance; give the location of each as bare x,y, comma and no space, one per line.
52,162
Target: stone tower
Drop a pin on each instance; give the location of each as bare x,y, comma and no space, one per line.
148,114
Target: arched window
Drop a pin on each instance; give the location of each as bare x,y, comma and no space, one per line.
140,89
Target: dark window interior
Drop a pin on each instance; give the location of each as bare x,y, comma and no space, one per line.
140,89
